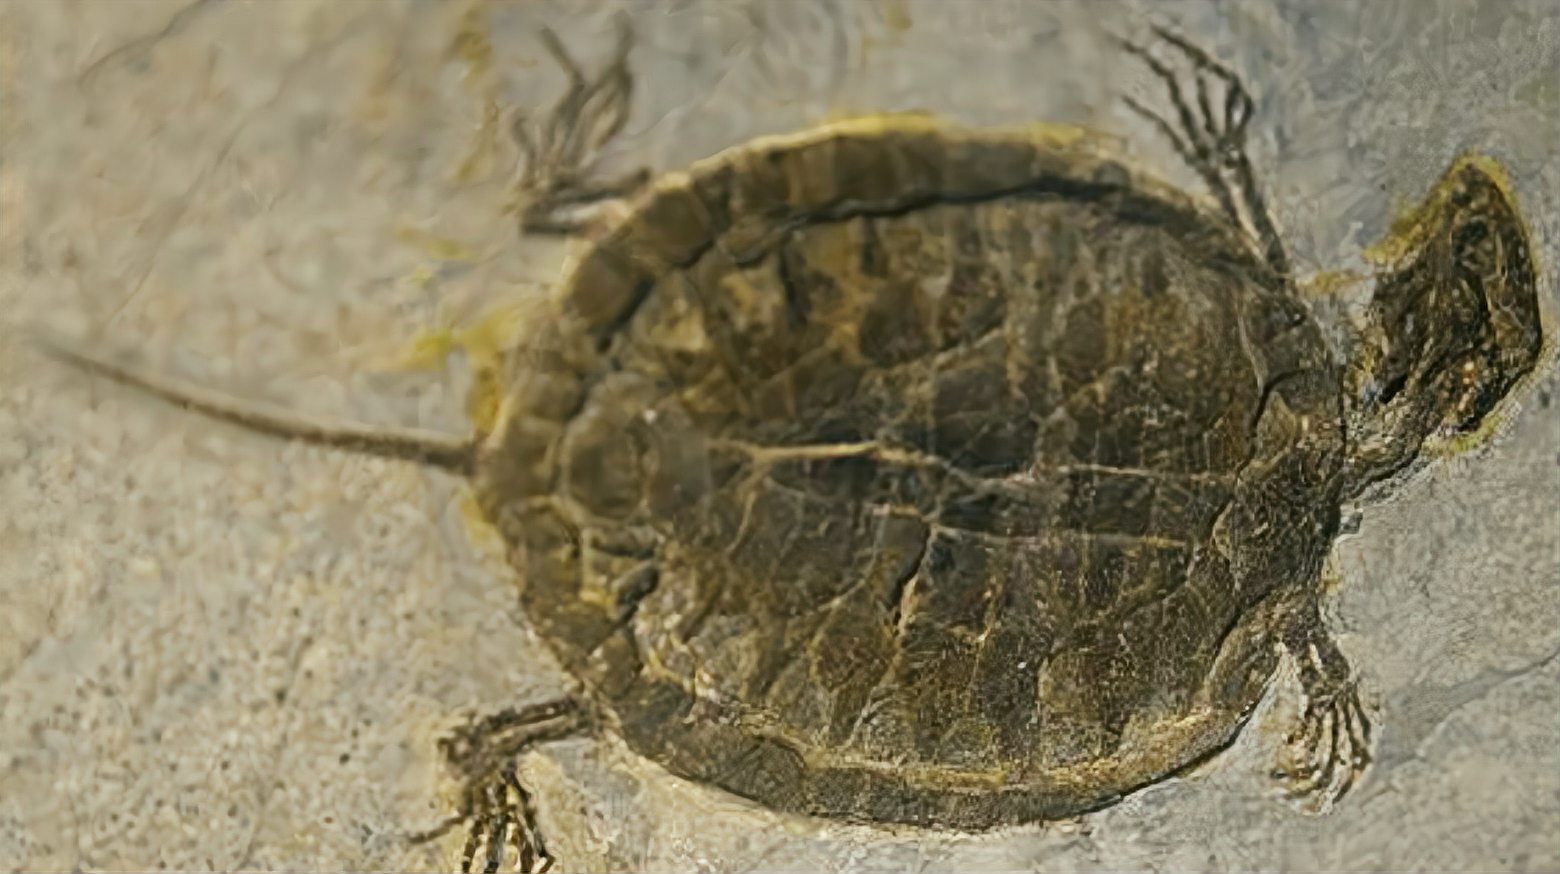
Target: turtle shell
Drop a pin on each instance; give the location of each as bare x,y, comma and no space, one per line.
900,472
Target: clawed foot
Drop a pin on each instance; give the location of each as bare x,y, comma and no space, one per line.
1212,142
491,807
1330,748
557,192
495,807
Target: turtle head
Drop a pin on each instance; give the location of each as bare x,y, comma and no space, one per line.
1453,323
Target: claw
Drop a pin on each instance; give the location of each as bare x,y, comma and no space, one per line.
1363,721
1237,101
532,853
1350,773
1165,128
1195,53
1334,743
495,807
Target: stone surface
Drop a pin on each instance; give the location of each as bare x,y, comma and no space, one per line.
217,651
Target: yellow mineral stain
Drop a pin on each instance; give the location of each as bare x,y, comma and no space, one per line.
1331,283
484,343
839,123
479,158
1501,419
1332,577
427,350
1411,230
896,15
472,43
1062,135
435,246
486,398
835,114
379,98
1496,424
1542,92
422,276
484,537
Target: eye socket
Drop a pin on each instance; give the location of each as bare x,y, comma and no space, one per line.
1474,250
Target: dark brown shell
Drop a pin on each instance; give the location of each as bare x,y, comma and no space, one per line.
899,472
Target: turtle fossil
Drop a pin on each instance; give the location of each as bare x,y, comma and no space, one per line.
901,472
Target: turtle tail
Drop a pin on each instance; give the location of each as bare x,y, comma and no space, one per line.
433,449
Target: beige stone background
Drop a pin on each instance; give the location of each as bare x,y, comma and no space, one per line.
218,651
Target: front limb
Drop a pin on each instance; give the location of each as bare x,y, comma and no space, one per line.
558,191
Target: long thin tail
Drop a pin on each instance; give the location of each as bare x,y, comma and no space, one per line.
435,449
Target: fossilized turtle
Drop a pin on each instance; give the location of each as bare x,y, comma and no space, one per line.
900,472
